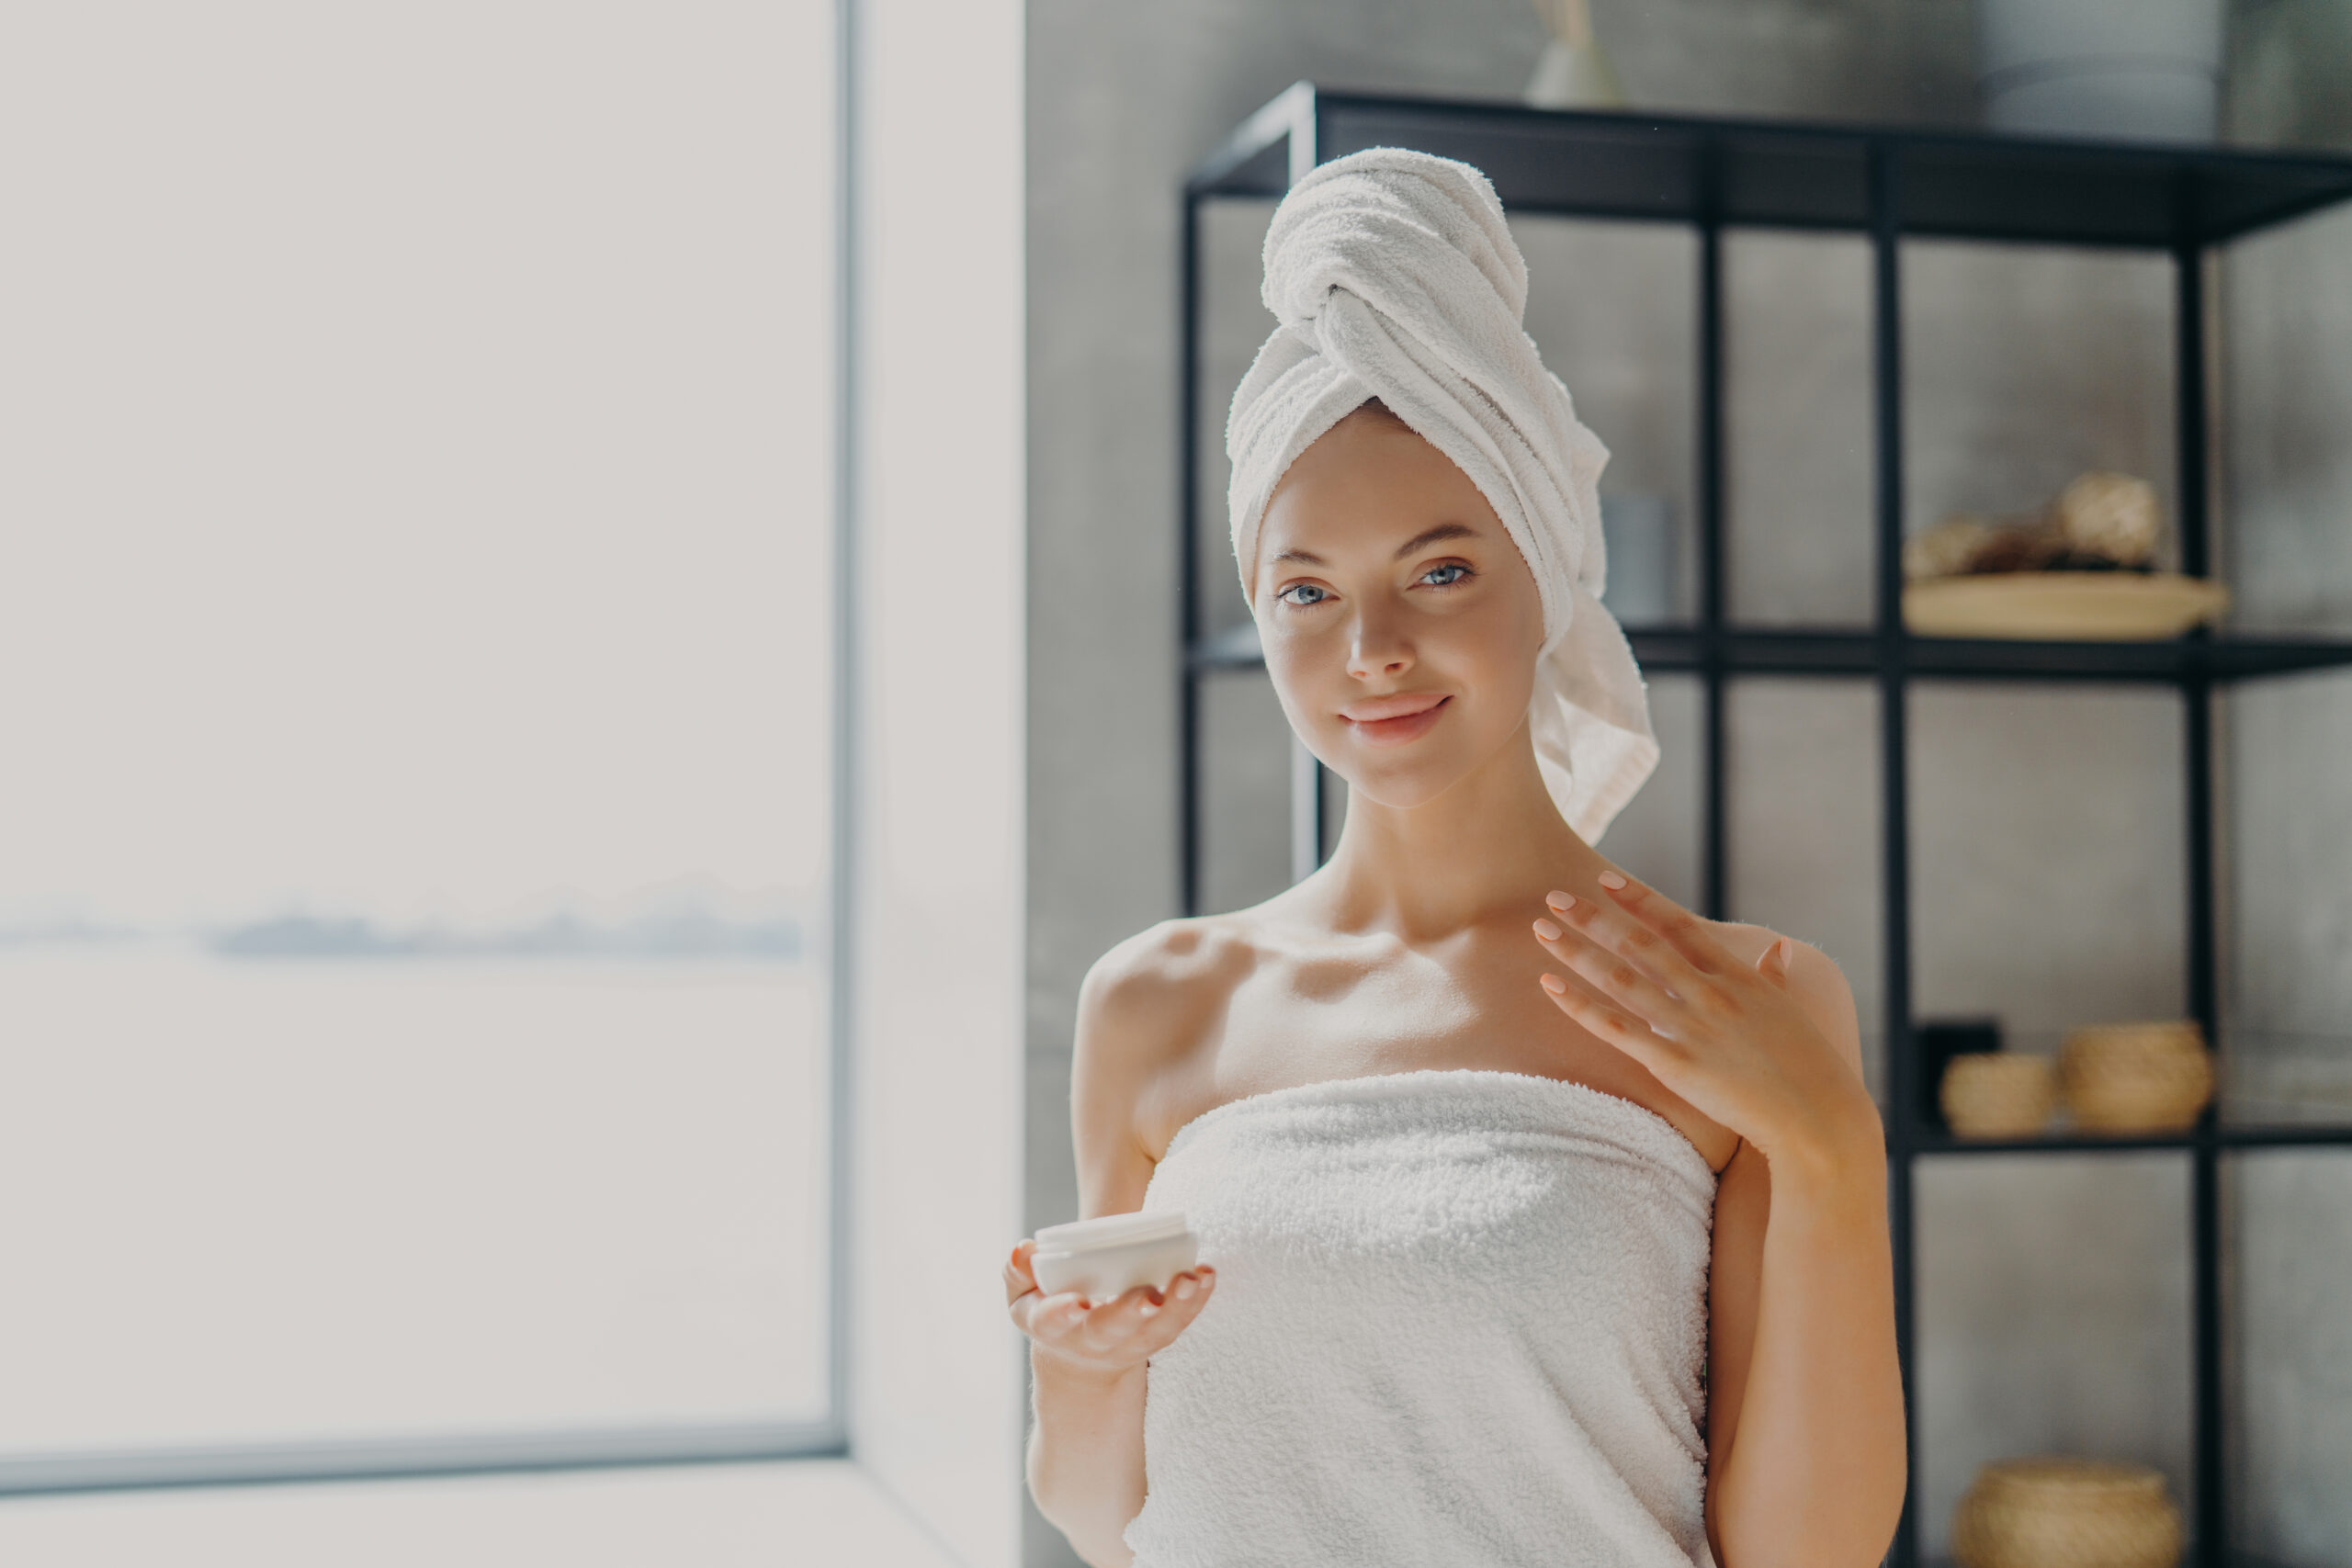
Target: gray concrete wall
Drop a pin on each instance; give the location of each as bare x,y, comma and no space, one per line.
2045,819
2286,519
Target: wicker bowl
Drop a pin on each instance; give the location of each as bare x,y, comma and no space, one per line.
2049,1511
2136,1077
1997,1094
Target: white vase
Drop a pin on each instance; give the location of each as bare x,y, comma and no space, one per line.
1570,78
1573,73
2146,69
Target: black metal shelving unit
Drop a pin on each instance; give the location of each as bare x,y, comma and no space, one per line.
1888,184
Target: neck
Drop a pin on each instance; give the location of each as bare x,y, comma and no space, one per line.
1492,845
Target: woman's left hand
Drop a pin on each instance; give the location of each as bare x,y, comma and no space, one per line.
1732,1039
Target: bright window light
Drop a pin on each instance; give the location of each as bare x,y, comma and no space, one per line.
415,611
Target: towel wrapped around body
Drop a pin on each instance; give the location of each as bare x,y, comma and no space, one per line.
1460,1319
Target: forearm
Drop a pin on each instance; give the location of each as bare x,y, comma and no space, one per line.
1817,1466
1085,1457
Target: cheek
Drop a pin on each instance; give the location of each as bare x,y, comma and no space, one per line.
1302,678
1494,653
1518,640
1505,680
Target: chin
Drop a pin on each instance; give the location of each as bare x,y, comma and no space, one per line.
1401,789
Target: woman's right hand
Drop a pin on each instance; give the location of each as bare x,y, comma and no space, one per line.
1104,1337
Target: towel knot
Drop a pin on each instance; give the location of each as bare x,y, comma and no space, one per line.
1405,242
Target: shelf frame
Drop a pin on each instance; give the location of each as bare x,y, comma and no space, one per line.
1886,184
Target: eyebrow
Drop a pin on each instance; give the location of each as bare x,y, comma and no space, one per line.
1421,540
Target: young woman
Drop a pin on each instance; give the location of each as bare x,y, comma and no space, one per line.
1542,1220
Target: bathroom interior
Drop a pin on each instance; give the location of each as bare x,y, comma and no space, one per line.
522,1048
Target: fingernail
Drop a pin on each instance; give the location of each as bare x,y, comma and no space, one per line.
1548,930
1611,881
1184,1287
1554,985
1149,1308
1561,900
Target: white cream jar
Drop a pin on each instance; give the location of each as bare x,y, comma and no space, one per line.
1105,1256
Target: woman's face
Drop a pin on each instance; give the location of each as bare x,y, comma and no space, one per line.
1400,623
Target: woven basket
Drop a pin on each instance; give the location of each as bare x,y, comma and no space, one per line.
2050,1511
2136,1077
1997,1094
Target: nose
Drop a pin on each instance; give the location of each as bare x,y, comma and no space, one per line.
1378,650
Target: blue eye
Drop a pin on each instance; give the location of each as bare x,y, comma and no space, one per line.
1452,566
1302,588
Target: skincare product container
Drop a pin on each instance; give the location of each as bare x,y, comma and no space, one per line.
1103,1258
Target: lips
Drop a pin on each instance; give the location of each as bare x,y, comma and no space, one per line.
1397,705
1396,718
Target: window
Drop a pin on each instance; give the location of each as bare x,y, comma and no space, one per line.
417,477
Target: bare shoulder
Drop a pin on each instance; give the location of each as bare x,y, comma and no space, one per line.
1144,1005
1177,964
1819,984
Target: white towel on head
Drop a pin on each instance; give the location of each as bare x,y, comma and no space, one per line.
1394,276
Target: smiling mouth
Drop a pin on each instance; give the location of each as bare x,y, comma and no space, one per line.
1390,721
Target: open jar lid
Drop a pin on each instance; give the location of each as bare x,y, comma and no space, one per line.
1111,1230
